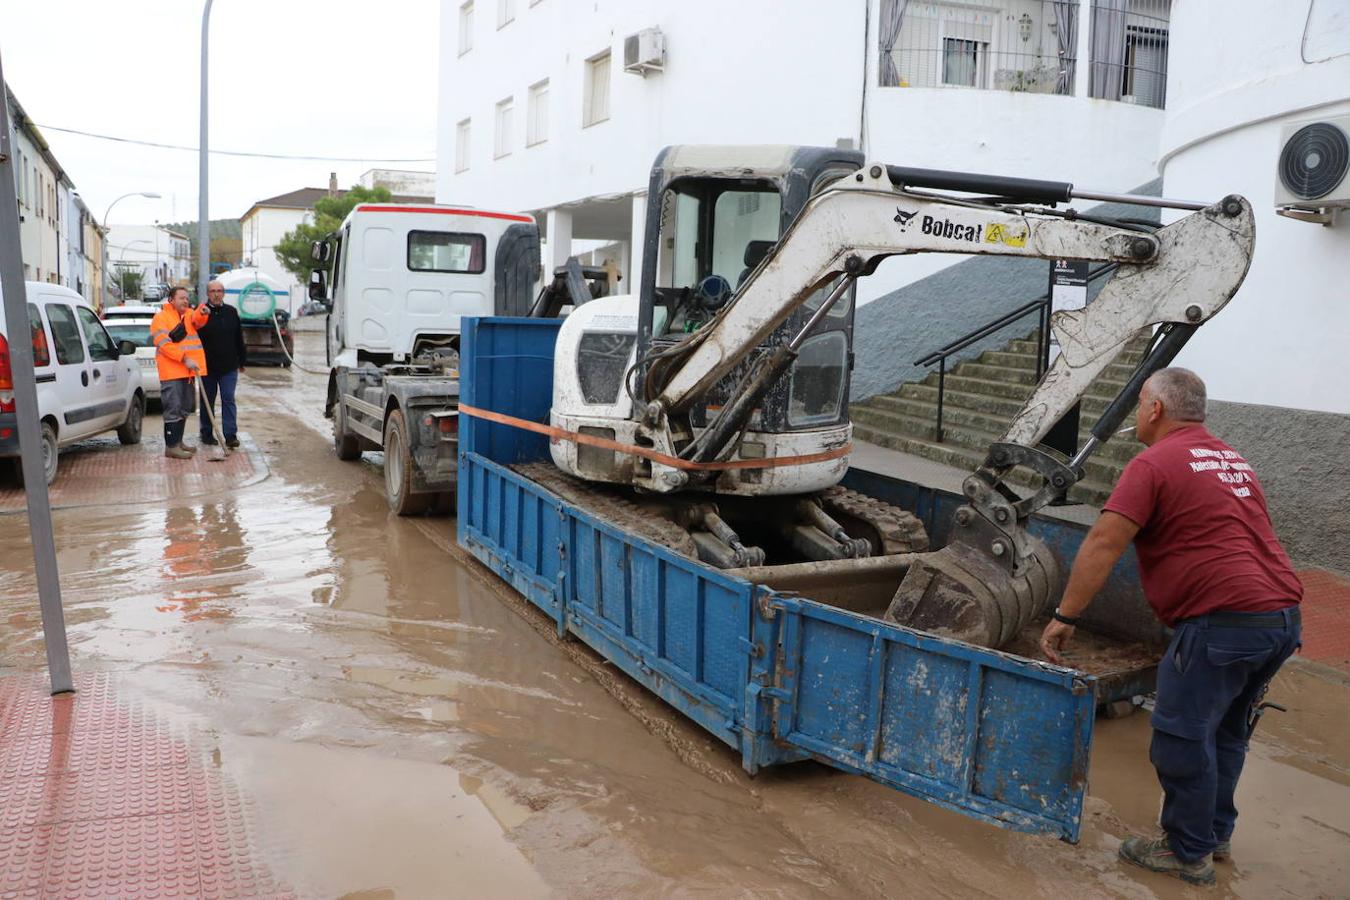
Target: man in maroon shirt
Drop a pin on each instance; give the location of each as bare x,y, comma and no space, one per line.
1213,570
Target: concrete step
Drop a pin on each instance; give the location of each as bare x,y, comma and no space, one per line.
926,411
1007,390
1000,407
1009,359
995,373
973,438
1090,491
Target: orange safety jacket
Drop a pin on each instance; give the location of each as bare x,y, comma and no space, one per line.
169,354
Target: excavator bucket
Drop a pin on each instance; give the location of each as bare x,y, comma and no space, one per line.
965,592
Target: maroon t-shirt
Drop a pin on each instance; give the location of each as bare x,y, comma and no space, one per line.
1205,541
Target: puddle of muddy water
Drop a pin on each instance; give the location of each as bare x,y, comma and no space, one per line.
344,822
407,726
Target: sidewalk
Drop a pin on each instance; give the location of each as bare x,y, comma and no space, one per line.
98,798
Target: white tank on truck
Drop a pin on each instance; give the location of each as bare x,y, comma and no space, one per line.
264,306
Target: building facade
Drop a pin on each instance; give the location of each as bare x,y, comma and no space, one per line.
556,124
56,232
160,256
1274,359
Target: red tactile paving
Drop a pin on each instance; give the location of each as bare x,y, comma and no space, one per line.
99,798
1326,618
102,471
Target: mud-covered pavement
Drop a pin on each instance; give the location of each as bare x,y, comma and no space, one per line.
408,728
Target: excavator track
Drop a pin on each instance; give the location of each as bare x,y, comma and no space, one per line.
612,506
891,529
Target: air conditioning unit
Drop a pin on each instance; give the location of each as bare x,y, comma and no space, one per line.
644,52
1312,178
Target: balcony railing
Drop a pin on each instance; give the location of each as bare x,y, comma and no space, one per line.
1027,45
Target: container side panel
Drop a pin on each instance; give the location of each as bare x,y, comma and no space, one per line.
648,571
726,616
614,582
1021,757
832,687
679,627
925,692
507,367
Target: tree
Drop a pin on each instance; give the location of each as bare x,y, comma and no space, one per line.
129,282
293,250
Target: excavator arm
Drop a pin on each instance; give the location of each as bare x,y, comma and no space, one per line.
993,576
1183,274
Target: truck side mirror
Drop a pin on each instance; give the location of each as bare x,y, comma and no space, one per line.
318,251
318,286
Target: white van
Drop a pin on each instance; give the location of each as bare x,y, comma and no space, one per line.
86,382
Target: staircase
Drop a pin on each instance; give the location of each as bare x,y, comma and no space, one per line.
981,398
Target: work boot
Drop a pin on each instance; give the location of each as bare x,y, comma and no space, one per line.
1157,856
177,452
232,442
1223,851
190,448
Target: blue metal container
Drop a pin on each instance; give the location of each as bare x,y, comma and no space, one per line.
776,676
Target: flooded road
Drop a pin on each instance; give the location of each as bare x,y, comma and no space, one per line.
407,727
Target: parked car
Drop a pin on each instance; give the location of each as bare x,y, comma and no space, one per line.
311,308
153,292
132,323
86,382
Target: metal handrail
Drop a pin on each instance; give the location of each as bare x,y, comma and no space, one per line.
1041,305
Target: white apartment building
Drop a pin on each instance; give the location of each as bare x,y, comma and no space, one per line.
538,111
161,256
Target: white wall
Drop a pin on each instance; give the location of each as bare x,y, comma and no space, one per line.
158,254
746,72
260,232
761,75
1283,339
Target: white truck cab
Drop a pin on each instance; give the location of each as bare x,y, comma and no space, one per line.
397,281
404,275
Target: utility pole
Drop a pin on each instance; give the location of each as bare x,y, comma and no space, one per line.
203,212
26,412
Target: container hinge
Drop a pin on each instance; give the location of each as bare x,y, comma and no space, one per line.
750,648
776,693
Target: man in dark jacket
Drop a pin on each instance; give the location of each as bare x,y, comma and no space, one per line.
223,338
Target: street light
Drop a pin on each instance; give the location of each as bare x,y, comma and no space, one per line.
149,195
203,211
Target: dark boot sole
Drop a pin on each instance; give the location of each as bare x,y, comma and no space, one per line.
1167,870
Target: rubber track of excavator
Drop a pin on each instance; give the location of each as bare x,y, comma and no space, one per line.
609,504
899,531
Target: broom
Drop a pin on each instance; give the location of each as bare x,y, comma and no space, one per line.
218,451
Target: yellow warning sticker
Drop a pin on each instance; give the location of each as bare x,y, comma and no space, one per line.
1012,235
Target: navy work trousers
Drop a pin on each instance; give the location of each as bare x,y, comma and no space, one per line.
228,410
1207,683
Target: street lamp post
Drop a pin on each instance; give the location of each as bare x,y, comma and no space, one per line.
151,195
203,213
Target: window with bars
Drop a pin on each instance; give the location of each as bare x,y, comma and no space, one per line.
536,122
595,109
462,145
501,143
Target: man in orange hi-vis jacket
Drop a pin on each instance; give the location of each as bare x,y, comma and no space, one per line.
179,357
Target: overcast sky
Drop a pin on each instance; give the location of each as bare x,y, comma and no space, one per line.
343,78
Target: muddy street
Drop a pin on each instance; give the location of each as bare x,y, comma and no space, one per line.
405,726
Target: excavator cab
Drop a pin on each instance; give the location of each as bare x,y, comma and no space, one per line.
713,215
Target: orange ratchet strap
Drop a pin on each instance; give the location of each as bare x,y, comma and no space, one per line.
674,462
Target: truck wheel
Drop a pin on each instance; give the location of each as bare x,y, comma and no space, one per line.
129,432
398,466
347,445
